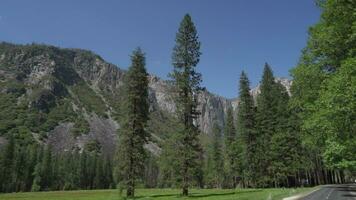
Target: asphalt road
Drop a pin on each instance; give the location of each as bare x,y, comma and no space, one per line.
334,192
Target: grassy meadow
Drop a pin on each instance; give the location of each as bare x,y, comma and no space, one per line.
159,194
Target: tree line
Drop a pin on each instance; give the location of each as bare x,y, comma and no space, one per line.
36,167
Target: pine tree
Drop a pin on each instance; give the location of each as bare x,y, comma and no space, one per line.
83,168
217,157
7,169
20,166
132,135
36,185
108,176
99,174
185,58
230,148
267,120
37,179
285,142
92,160
46,169
32,161
277,141
247,141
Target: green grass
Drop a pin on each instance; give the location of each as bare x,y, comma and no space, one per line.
160,194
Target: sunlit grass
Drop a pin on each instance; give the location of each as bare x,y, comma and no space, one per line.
161,194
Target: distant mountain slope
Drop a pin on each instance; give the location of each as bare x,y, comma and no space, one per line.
71,98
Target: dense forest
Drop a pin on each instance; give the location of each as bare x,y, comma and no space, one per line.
303,138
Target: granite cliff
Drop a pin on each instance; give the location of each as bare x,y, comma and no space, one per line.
70,98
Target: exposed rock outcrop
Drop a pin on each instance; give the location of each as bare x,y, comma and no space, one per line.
52,77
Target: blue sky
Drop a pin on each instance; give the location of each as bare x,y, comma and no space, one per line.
236,35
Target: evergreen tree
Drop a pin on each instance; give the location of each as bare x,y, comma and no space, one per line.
36,185
20,167
133,135
108,173
230,148
32,161
92,161
217,157
7,166
185,58
285,143
267,124
99,178
247,140
46,169
83,168
37,173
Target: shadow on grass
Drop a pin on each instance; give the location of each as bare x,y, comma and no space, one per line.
194,195
156,196
163,195
197,195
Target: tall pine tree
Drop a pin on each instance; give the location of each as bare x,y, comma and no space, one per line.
133,136
247,141
231,153
284,142
267,118
185,58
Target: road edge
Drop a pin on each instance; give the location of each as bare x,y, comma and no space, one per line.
298,196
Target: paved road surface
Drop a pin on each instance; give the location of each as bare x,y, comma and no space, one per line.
334,192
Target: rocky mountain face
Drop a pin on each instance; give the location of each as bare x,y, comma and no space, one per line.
71,98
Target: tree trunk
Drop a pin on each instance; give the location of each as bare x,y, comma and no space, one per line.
337,176
130,193
185,180
185,191
341,176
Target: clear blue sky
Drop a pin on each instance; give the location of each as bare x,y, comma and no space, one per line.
235,34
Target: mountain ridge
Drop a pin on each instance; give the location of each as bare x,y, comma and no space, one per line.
89,89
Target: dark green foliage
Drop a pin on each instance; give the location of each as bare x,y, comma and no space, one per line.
168,162
88,99
19,119
267,125
7,166
81,126
93,146
246,142
36,185
46,173
185,57
285,143
268,144
34,168
215,161
132,134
